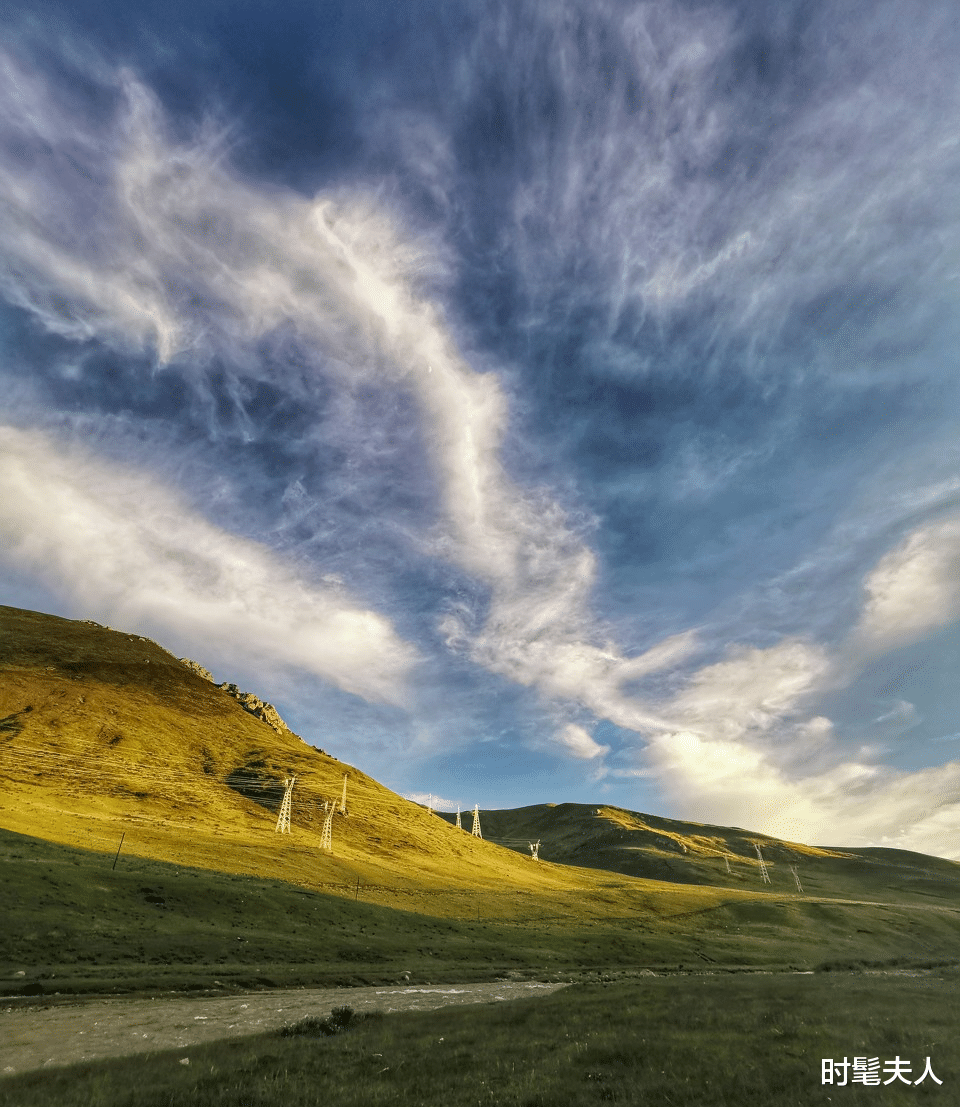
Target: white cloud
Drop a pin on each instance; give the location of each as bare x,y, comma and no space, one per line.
737,783
752,755
901,717
752,689
428,799
126,550
580,744
913,590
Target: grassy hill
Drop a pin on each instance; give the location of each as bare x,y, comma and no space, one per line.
105,735
653,848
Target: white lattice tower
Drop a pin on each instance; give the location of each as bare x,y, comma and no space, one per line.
727,859
343,798
793,869
476,821
459,827
326,837
283,822
535,850
763,865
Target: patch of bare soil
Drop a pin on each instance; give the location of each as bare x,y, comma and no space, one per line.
40,1036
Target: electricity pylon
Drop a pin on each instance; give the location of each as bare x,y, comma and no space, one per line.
476,821
535,850
283,822
326,837
793,869
727,859
763,865
459,827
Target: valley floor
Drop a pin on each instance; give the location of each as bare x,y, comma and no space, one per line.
36,1037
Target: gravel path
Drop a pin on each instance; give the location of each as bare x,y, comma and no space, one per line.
42,1036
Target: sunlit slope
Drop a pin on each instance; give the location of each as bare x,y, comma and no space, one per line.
104,733
654,848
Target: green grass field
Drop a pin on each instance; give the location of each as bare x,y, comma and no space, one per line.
752,1040
74,924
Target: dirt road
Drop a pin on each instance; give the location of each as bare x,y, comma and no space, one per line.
40,1036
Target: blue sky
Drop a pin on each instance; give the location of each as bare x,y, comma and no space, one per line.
536,401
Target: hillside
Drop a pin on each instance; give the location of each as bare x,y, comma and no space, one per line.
108,741
654,848
106,734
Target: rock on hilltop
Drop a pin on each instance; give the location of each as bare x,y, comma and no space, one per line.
256,706
198,669
247,700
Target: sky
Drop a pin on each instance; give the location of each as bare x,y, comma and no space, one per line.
536,401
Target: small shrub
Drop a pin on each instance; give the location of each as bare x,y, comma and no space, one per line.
310,1027
339,1019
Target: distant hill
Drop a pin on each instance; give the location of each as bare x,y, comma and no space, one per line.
650,847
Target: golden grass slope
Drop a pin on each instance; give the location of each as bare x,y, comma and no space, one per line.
104,733
646,845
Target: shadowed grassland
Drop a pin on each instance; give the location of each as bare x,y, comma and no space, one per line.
681,1041
74,924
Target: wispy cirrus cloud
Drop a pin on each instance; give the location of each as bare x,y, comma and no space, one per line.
612,364
120,546
190,260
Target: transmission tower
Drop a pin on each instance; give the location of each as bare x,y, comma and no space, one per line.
793,869
343,798
763,865
727,859
326,837
283,822
535,850
459,827
476,821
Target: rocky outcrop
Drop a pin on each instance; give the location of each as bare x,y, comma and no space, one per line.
247,700
195,668
256,706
